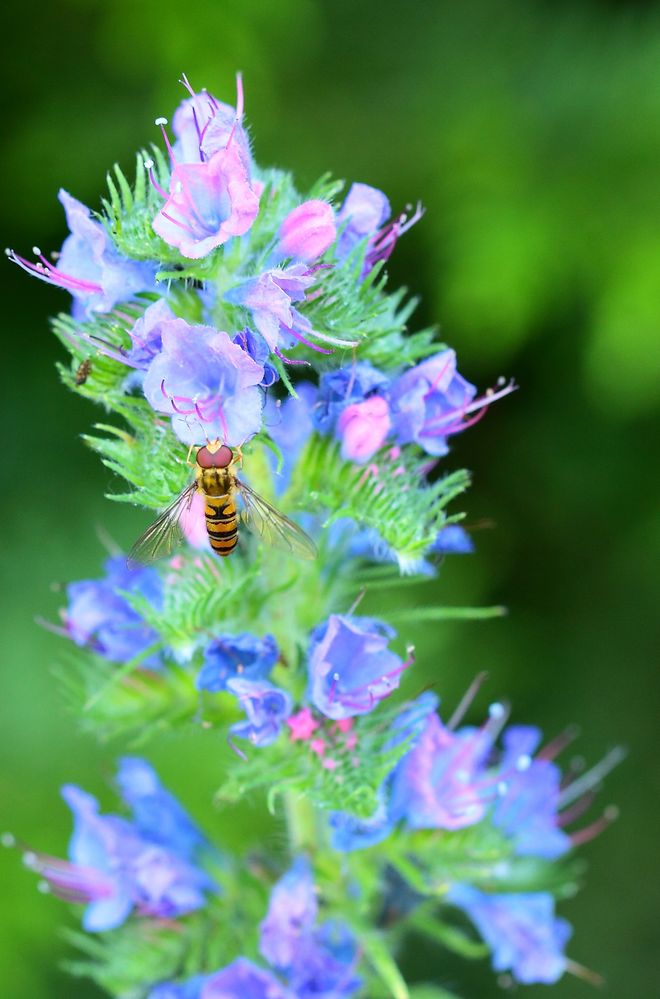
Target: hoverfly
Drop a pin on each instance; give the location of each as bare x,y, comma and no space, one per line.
216,481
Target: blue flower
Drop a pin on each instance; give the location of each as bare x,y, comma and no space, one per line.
527,811
291,914
266,707
442,783
429,402
207,383
364,211
290,425
524,934
318,962
270,297
156,812
89,265
204,125
243,655
244,980
99,616
116,866
350,666
341,388
185,990
255,345
452,540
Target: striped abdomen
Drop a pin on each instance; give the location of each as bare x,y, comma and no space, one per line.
221,523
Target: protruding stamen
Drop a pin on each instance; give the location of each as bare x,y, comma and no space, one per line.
592,777
149,167
559,743
590,832
466,700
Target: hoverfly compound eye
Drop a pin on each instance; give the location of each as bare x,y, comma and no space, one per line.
221,457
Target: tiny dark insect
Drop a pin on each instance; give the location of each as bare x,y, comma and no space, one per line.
83,372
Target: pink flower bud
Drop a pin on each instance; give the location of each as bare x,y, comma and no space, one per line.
363,427
307,231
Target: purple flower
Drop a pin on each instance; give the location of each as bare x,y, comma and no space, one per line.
208,203
244,980
432,401
291,914
146,335
89,265
344,387
230,656
290,425
156,812
184,990
115,868
527,811
269,298
99,616
307,231
522,930
207,382
318,962
350,665
266,708
365,212
363,428
258,349
204,126
442,783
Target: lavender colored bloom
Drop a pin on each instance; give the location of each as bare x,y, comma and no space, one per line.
99,616
522,930
307,231
146,335
291,914
350,665
230,656
266,707
255,345
207,382
364,211
89,266
269,298
290,425
429,402
156,812
342,388
363,428
114,868
527,811
442,783
208,203
244,980
318,962
452,540
204,126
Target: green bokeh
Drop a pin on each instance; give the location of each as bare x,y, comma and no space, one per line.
531,132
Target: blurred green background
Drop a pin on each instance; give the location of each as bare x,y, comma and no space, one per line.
531,132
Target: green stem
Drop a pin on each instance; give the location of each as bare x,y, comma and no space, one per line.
301,823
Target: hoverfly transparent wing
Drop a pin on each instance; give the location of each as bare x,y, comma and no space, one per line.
164,535
272,526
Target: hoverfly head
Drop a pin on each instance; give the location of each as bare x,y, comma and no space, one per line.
215,455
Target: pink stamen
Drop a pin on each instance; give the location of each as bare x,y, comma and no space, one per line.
162,122
290,360
596,828
466,700
302,339
438,378
576,810
149,167
51,275
558,744
235,749
239,108
456,417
